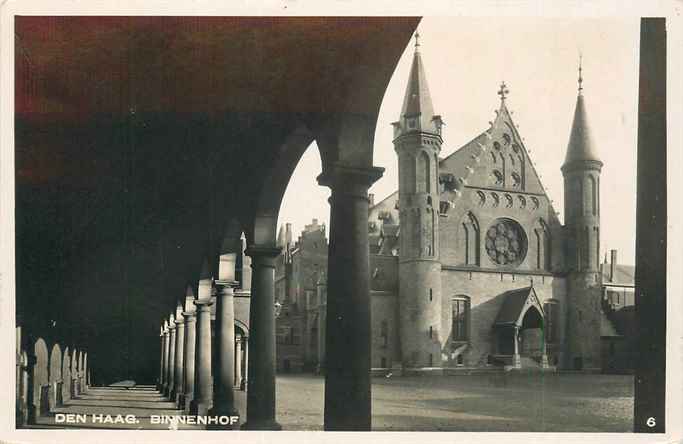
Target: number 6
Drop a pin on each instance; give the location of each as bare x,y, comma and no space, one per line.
651,422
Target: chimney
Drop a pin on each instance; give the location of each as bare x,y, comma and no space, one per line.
612,265
371,198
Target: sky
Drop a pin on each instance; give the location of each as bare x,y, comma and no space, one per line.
465,61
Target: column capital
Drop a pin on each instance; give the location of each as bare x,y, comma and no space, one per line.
179,322
338,175
202,303
189,316
171,327
227,284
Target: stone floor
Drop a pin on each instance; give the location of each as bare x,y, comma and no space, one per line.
473,403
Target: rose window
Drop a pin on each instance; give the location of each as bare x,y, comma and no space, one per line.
506,242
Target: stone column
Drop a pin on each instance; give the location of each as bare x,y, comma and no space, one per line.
84,372
31,361
238,361
261,364
348,330
245,371
179,358
189,356
75,387
171,357
516,359
223,396
19,401
167,346
201,399
160,381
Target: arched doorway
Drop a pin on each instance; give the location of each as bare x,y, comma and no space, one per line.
519,327
241,355
531,338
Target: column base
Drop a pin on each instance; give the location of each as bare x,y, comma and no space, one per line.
261,424
200,408
172,396
31,416
516,361
544,361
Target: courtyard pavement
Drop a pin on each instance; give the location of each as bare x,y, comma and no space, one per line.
474,403
467,403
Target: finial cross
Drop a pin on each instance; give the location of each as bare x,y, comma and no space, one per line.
417,40
580,71
503,91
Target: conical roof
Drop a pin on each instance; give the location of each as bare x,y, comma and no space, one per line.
417,101
580,147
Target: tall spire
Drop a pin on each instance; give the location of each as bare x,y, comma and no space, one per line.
417,112
580,147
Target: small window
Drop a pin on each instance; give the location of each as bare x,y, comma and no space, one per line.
431,332
460,322
430,295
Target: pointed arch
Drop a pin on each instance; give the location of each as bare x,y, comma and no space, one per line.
543,242
470,236
424,182
593,195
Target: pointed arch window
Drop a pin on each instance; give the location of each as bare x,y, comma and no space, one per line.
543,246
471,240
594,196
423,168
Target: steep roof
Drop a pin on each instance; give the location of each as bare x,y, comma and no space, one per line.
580,147
514,304
417,112
417,99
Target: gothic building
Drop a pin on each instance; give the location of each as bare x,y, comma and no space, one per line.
470,266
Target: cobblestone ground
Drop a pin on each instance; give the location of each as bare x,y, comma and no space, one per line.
475,403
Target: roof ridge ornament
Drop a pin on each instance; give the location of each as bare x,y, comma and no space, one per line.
580,73
417,41
503,91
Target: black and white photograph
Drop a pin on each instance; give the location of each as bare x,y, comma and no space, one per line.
456,220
